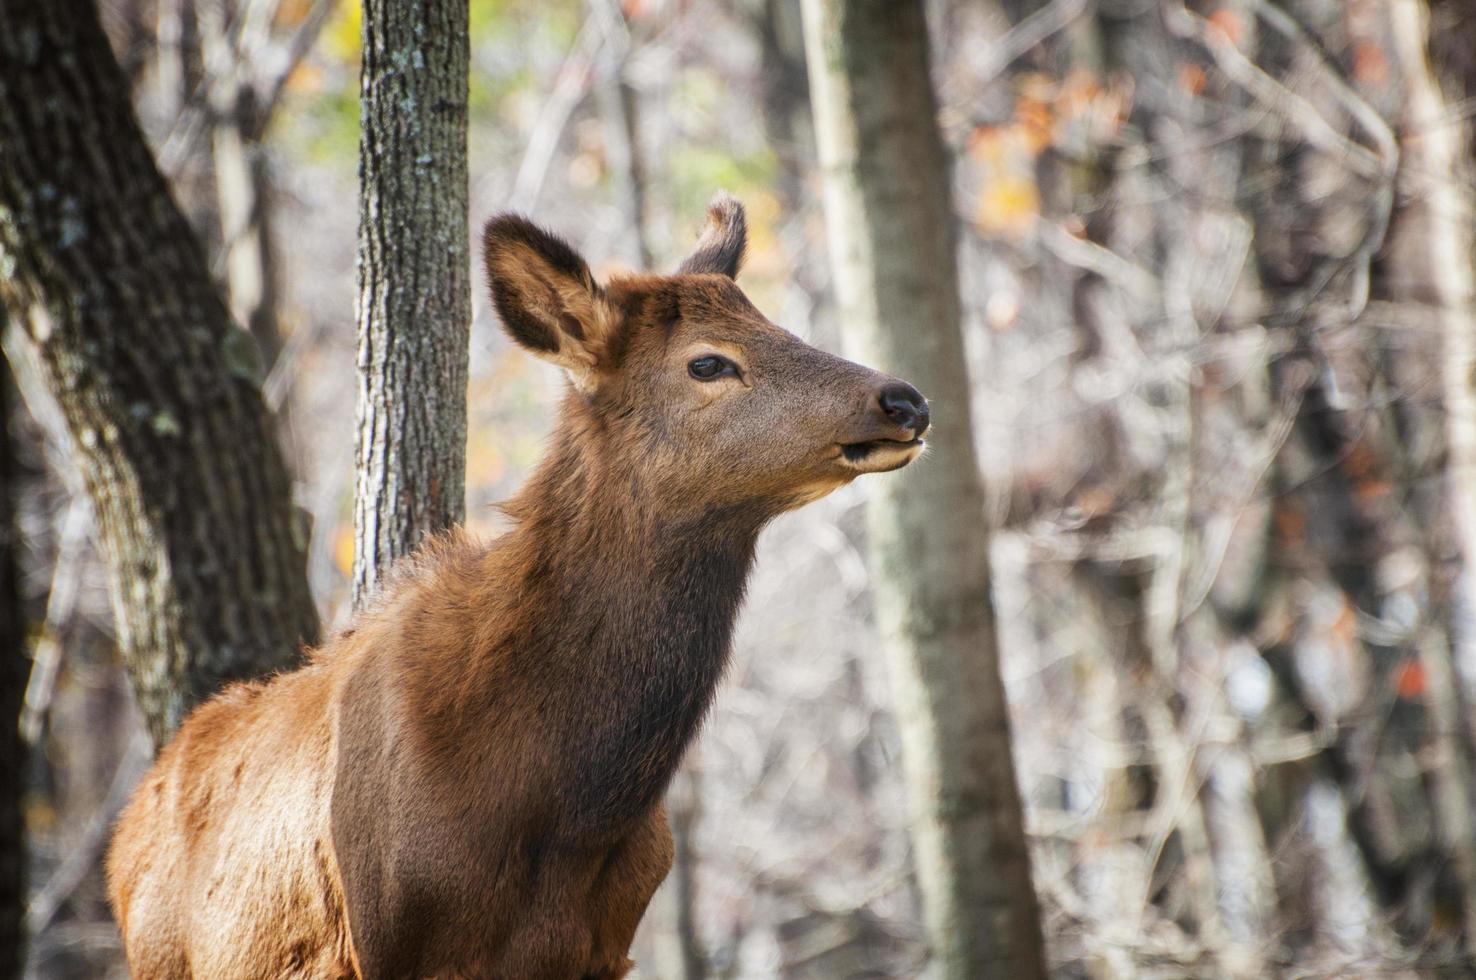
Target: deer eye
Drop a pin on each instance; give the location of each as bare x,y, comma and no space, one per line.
709,367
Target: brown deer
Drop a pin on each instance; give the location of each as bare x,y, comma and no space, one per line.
468,782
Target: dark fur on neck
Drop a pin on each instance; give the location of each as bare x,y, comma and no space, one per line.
632,605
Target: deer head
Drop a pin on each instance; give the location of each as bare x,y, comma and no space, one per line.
719,406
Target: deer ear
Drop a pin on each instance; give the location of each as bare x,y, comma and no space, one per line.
546,296
724,239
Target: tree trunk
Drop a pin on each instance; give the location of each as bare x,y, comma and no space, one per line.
785,93
678,953
1439,155
12,694
892,235
414,293
158,386
243,186
620,107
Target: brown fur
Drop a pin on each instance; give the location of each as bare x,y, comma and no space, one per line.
468,783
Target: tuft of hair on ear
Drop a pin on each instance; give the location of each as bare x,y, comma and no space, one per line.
528,270
724,240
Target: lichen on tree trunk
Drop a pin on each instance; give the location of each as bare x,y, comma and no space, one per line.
159,388
414,305
892,236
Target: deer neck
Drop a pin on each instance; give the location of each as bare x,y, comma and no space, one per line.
636,607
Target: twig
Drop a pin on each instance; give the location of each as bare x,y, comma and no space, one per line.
283,373
1055,16
174,149
61,604
1138,282
48,900
1218,544
25,365
1180,806
297,49
570,87
1276,96
1357,106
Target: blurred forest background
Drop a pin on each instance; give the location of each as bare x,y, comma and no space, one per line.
1215,268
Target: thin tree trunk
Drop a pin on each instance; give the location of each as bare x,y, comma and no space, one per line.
785,93
242,178
892,237
243,88
244,188
1439,154
620,103
679,954
171,73
620,106
12,694
158,386
679,948
414,305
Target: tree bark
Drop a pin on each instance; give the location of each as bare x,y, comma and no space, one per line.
679,954
1439,152
243,184
12,695
892,235
414,304
620,107
158,386
785,93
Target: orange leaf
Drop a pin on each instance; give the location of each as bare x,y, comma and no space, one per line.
291,13
1371,489
343,548
1035,86
1191,79
1080,90
1228,22
1409,680
987,144
1036,123
1002,311
1360,462
1291,523
306,79
1008,206
1370,64
1345,627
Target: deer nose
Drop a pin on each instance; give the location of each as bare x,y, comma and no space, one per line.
905,406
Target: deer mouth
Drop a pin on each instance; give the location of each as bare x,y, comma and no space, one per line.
881,455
